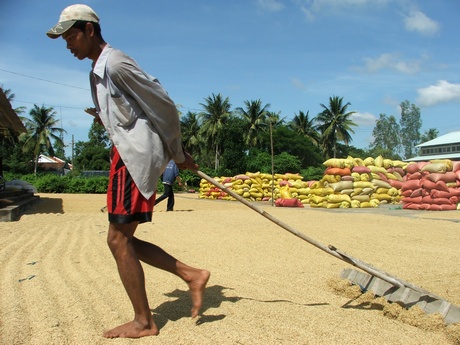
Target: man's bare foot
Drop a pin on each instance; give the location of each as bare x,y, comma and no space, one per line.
132,329
197,286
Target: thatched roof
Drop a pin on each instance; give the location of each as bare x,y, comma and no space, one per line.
8,118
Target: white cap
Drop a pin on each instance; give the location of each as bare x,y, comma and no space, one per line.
69,16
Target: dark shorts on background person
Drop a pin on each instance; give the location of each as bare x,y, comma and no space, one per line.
125,204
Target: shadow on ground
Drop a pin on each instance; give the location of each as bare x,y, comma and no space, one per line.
47,205
214,297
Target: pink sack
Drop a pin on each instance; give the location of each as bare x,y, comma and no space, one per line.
427,184
361,170
448,207
440,194
441,185
455,166
414,167
410,184
407,192
418,192
400,171
411,206
294,202
416,200
395,183
438,201
433,207
446,177
414,176
454,200
454,191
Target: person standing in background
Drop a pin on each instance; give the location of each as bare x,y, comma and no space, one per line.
170,175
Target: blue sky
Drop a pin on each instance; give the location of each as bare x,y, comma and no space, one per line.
291,54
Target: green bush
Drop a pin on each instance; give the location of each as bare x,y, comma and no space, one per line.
96,185
74,185
51,183
313,173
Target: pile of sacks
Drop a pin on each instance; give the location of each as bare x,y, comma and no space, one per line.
357,183
257,187
433,186
352,183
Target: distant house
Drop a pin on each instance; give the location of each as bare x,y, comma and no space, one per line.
444,147
54,164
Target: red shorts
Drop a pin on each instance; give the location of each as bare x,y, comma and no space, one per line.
125,203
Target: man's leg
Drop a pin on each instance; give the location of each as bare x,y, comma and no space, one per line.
162,196
169,189
195,278
120,241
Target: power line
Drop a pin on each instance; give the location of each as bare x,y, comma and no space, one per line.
51,105
45,80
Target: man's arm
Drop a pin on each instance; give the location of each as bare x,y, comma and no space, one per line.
153,99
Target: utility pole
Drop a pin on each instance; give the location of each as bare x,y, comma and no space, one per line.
72,148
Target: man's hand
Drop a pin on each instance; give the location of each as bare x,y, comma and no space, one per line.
93,112
189,163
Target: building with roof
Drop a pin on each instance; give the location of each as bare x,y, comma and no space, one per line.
10,124
9,120
54,164
444,147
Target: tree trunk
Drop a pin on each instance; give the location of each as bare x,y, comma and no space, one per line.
216,158
36,164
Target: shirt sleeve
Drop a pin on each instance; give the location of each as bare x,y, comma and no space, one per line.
153,99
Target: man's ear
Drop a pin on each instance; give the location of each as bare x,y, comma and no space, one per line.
89,28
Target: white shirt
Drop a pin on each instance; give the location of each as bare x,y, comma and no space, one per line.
139,116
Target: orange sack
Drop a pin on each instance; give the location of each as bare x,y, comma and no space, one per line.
338,171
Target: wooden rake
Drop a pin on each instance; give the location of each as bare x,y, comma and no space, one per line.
383,284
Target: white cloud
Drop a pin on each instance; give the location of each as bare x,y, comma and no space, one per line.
309,16
363,119
312,7
390,61
270,5
298,84
415,20
418,21
320,4
441,92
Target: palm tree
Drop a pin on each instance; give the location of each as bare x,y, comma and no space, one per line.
41,128
190,128
302,125
429,134
216,111
334,124
255,117
274,119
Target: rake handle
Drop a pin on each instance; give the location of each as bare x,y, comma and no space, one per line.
331,250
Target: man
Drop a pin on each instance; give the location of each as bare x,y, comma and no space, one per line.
143,125
170,175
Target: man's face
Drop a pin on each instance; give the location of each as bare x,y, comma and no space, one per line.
77,42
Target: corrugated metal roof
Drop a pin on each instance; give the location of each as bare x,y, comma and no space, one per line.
449,138
451,156
47,159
